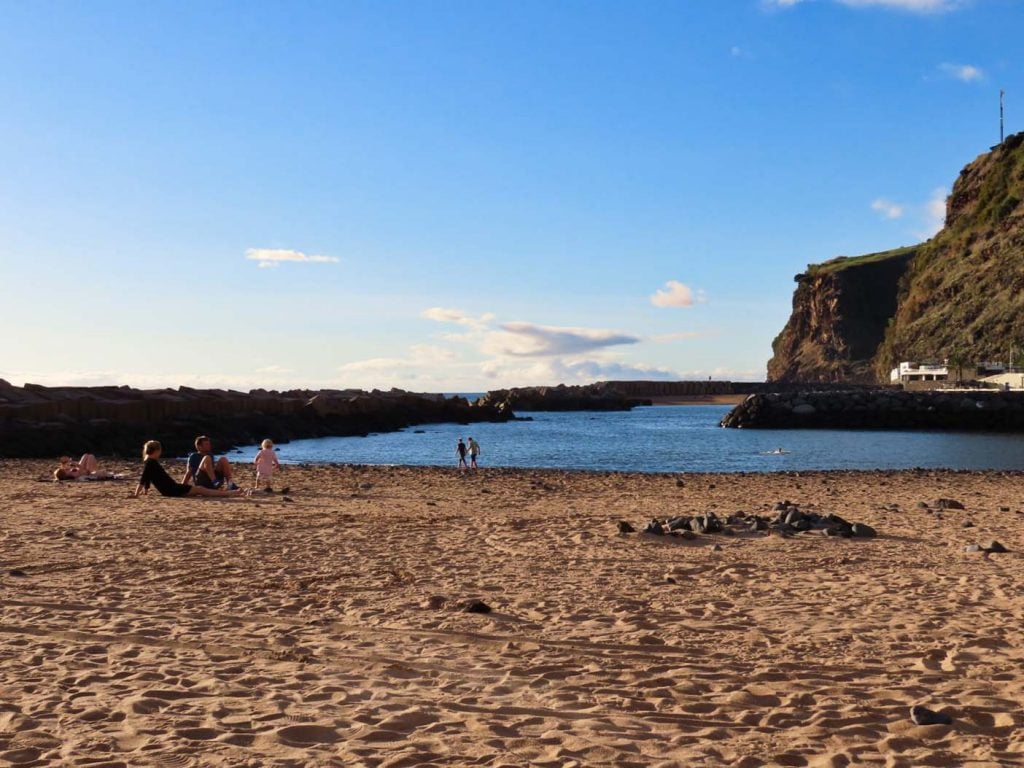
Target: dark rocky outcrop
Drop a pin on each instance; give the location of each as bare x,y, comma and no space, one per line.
957,295
602,396
988,411
840,313
38,421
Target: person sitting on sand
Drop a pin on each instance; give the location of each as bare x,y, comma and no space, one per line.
155,475
203,470
86,468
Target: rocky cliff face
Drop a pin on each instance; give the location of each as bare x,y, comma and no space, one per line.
840,314
960,293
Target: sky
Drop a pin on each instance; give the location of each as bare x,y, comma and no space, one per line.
460,196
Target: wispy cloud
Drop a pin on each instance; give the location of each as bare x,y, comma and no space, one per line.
521,339
967,73
935,212
458,317
912,6
887,209
663,338
274,257
676,294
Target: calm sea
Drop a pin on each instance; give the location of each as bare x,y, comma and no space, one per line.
662,439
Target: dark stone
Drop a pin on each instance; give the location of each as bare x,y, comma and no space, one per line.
716,548
994,546
948,504
922,505
289,499
677,523
967,524
680,484
655,528
924,716
1004,509
69,534
16,572
625,527
476,606
863,531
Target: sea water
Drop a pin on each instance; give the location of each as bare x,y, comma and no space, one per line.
661,439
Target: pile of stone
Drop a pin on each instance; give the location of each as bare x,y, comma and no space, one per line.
788,520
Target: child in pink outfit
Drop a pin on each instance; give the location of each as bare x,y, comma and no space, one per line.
266,463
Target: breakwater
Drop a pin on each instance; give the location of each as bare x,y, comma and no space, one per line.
37,421
965,410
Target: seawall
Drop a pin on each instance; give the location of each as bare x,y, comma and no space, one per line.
975,411
38,421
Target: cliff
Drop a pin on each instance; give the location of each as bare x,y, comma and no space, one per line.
962,292
840,313
38,421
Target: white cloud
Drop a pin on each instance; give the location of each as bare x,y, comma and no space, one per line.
913,6
273,257
458,317
675,294
889,210
916,6
678,336
967,73
521,339
935,211
519,373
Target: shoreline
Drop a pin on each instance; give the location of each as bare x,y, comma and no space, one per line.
43,468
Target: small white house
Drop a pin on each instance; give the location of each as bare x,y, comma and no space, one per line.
907,372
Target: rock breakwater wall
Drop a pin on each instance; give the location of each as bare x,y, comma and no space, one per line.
38,421
954,410
602,396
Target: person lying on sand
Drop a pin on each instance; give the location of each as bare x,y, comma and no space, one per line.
86,468
155,475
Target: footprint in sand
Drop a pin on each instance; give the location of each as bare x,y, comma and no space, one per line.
305,735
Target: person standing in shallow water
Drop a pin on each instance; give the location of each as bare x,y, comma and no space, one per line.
474,451
460,451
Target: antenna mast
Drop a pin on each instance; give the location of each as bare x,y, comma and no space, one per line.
1001,92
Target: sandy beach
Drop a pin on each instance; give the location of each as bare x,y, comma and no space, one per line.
326,628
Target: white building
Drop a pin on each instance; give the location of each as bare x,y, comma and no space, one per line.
907,372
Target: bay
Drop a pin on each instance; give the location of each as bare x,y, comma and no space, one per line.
661,439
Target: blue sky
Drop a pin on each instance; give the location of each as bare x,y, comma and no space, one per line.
459,196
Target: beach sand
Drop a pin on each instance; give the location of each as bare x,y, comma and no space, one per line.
327,630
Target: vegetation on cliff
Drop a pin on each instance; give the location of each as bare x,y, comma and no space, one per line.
964,291
959,295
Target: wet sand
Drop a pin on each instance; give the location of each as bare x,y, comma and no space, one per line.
327,630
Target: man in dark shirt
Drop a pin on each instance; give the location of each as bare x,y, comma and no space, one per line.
204,470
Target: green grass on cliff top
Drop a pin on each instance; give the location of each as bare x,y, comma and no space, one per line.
845,262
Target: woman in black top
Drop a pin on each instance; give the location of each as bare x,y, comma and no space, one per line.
155,475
